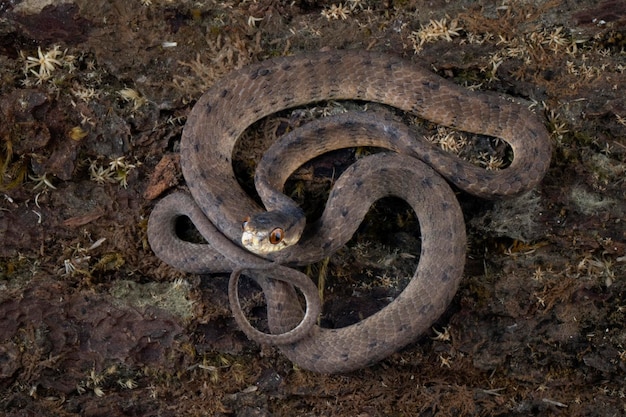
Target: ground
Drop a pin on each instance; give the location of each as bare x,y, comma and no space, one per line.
94,96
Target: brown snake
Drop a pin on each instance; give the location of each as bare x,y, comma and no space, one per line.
219,203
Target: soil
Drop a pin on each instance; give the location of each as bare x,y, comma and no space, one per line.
94,96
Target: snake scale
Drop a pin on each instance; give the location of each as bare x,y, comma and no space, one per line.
219,204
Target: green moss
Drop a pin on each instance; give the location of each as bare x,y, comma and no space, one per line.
170,296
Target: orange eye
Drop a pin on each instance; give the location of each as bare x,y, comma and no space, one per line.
245,223
276,236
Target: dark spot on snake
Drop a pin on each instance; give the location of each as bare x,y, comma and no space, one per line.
456,180
403,328
297,141
316,357
333,92
345,356
259,72
196,147
224,93
372,344
431,85
393,134
279,306
426,308
345,212
533,133
320,131
287,99
286,67
315,91
445,277
350,124
427,182
333,59
327,245
294,144
208,108
417,107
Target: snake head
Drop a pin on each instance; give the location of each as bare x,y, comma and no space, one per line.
272,231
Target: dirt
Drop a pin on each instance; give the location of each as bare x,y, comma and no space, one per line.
94,96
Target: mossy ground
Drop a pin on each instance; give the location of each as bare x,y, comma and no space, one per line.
93,324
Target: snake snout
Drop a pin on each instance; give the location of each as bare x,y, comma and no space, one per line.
268,232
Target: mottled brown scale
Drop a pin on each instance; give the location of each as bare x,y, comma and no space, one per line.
243,97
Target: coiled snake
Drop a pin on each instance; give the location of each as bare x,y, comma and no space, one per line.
219,204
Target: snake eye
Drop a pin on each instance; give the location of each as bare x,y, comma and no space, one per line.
245,223
276,236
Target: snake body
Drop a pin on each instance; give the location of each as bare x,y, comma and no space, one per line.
219,203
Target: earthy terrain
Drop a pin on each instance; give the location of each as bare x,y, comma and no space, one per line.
93,98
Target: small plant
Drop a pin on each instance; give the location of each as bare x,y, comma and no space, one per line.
45,63
435,30
115,172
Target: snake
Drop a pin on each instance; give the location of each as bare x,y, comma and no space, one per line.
274,239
